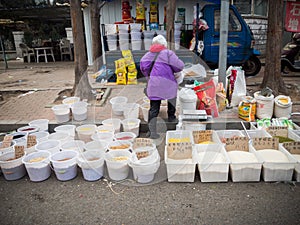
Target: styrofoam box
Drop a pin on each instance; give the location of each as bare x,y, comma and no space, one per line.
280,171
179,134
257,133
180,170
211,171
215,139
246,172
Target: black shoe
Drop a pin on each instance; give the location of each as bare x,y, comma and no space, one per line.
173,120
154,136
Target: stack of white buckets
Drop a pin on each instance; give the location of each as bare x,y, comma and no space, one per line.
136,36
111,35
123,36
177,32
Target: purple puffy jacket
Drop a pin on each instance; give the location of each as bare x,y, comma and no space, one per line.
162,83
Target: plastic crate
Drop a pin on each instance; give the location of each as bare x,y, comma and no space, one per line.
279,171
246,172
180,170
209,169
257,133
180,134
229,134
214,138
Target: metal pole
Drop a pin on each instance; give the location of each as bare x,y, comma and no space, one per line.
223,41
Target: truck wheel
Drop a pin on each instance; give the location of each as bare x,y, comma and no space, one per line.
252,66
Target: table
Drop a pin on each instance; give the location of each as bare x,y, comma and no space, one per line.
44,52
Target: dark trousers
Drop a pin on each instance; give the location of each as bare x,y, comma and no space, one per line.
154,111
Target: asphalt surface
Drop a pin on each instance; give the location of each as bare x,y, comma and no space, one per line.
161,202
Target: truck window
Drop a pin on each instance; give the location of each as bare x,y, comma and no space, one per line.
234,24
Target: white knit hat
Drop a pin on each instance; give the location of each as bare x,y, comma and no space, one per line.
159,39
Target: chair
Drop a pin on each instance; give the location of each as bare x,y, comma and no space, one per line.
65,49
27,52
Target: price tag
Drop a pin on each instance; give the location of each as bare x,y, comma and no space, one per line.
202,135
278,131
237,143
292,147
142,154
6,141
179,150
19,151
265,143
31,141
142,142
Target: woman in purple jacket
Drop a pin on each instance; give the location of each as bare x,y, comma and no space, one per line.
162,83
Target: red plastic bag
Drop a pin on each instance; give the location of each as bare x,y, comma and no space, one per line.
207,97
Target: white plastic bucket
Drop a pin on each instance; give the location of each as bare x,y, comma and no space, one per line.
136,36
136,44
124,44
147,44
123,36
131,110
41,136
70,129
79,111
148,35
188,99
145,110
28,129
145,172
42,124
110,29
37,165
61,112
105,129
91,164
123,27
117,104
69,101
119,145
115,123
112,45
65,164
103,136
76,145
135,27
86,131
51,146
8,149
117,170
131,125
96,145
19,137
62,137
283,106
264,106
125,136
12,169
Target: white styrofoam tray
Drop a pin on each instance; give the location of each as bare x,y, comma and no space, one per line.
209,169
180,170
279,171
246,172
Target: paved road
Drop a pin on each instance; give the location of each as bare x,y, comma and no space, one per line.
82,202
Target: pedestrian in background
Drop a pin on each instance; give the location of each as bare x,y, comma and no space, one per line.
158,66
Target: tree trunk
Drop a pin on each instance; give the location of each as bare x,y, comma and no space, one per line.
96,34
171,8
80,59
272,76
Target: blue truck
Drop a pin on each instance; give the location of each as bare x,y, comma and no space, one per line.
240,50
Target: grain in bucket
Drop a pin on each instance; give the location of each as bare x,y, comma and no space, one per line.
282,106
